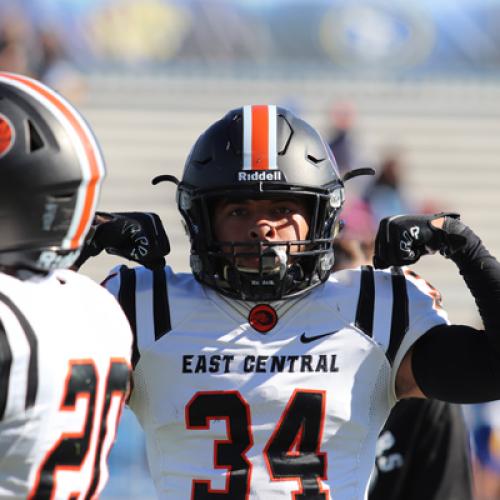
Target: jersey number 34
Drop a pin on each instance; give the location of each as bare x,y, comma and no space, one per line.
291,453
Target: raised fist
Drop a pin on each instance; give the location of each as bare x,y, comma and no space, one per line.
137,236
401,240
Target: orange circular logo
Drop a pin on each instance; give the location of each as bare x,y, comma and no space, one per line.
262,318
6,135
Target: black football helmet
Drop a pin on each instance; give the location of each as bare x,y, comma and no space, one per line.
260,152
51,170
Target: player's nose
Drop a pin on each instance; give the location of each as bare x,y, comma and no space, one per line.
262,230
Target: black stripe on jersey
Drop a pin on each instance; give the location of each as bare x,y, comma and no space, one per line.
366,301
32,388
5,364
126,298
161,307
400,317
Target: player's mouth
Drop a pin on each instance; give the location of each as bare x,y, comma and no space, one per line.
272,260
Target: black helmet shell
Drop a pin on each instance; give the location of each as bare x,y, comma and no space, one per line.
51,169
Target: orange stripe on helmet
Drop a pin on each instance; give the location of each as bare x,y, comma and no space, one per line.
260,137
95,173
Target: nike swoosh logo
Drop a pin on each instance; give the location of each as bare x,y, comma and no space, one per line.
306,340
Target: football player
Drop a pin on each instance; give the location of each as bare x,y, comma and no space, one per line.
65,343
261,374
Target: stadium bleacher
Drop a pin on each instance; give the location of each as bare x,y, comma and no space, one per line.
448,129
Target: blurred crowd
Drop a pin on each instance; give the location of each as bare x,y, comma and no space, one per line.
38,51
384,195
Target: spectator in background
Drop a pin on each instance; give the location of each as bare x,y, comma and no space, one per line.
354,246
342,117
56,69
38,52
14,43
385,195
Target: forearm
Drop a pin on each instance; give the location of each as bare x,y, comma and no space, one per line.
453,363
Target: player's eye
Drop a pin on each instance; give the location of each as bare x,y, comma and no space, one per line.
282,210
236,212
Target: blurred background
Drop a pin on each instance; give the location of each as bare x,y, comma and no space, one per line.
411,89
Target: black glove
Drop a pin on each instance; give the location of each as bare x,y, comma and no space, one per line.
403,239
137,236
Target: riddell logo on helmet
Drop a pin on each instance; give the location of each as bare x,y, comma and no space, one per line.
259,175
49,260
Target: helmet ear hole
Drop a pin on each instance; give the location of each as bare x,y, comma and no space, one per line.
34,138
62,197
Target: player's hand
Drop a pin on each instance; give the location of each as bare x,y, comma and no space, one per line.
136,236
401,240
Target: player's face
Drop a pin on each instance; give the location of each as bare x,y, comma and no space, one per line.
249,221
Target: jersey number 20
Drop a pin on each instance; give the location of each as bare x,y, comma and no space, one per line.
72,449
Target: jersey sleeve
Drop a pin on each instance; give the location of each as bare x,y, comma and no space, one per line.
18,360
142,294
121,283
423,311
143,297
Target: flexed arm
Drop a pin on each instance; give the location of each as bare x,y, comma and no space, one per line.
454,363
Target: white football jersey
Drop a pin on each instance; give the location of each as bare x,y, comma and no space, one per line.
293,413
65,349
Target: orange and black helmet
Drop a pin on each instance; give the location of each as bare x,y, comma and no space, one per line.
261,152
51,169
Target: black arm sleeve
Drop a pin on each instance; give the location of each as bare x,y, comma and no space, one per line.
458,363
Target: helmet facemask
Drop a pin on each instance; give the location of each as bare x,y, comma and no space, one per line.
281,269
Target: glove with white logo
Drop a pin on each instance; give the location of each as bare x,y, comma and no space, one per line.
137,236
401,240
